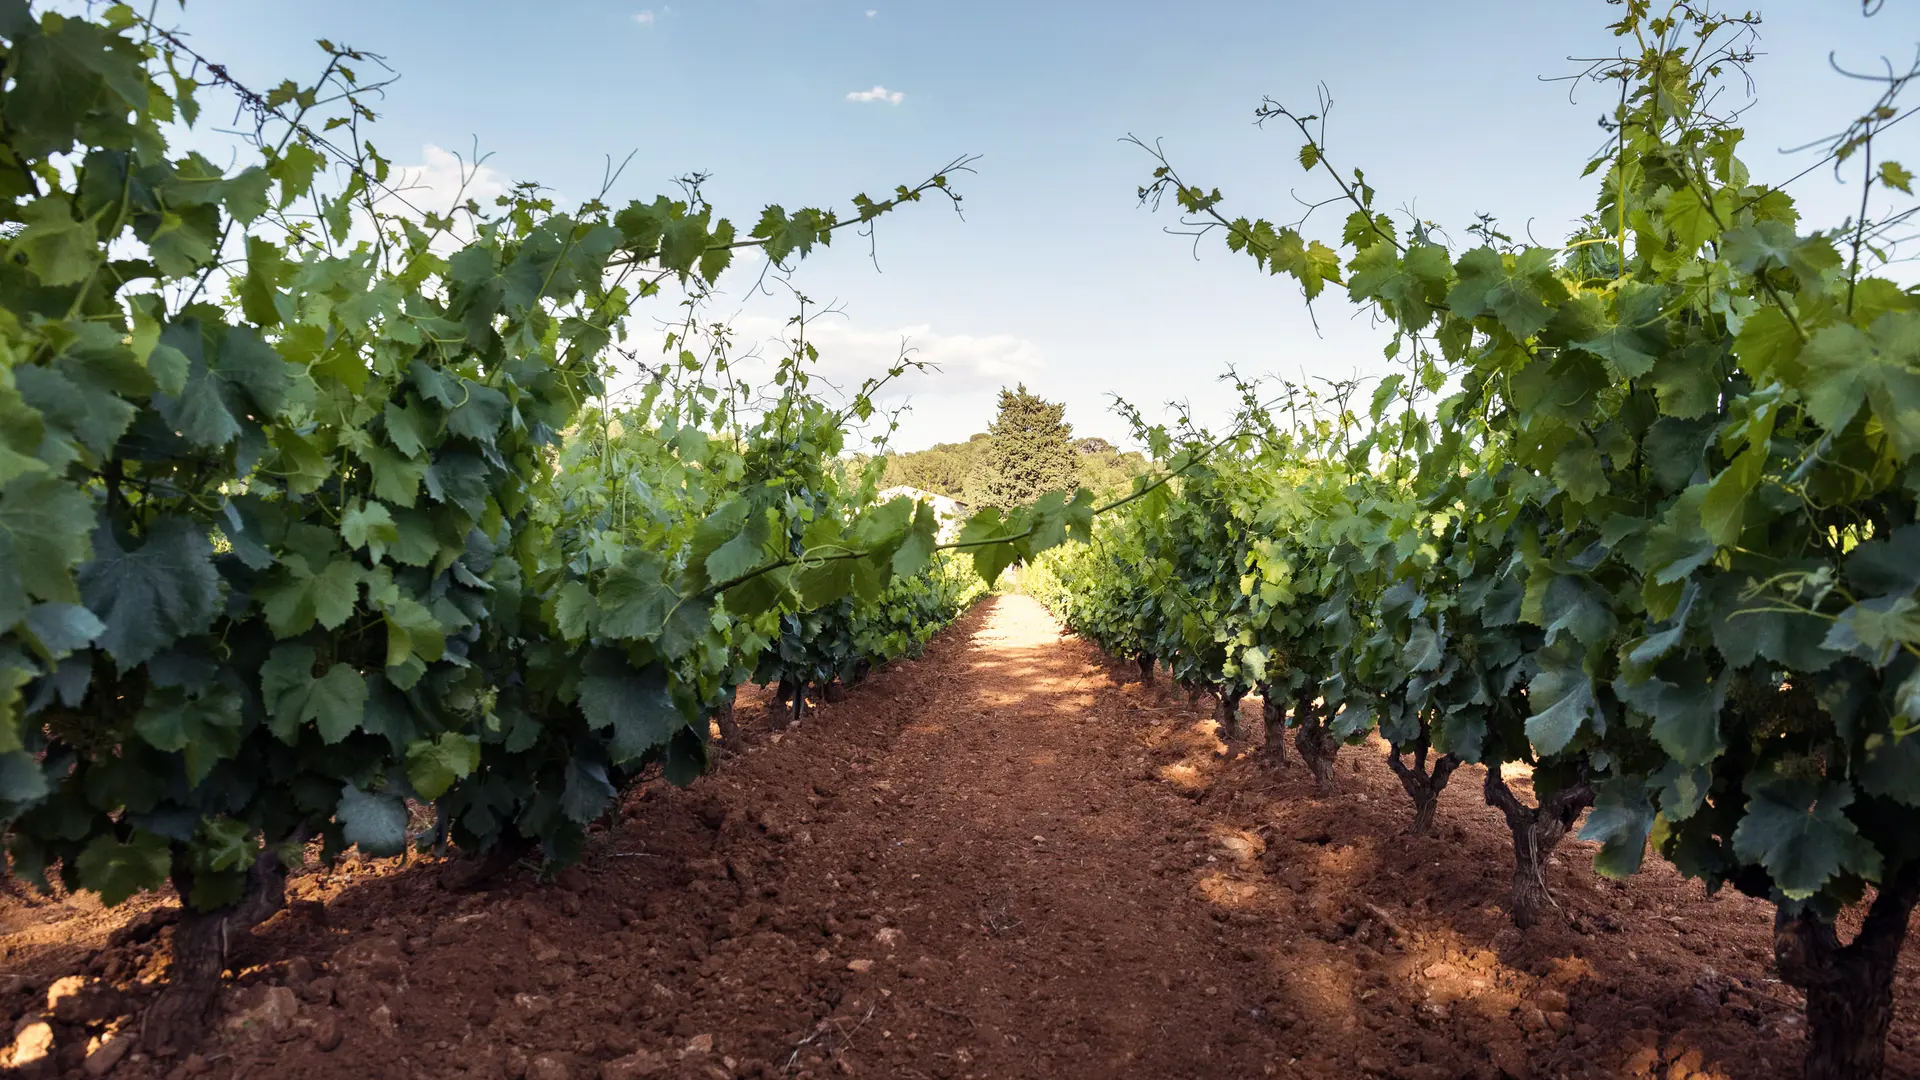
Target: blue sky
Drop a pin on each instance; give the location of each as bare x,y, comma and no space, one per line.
1056,277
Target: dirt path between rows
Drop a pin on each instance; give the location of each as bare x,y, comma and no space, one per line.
1000,860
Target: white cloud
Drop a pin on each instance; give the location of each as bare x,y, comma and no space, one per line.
871,13
966,362
442,180
878,93
849,352
444,177
644,18
949,403
435,184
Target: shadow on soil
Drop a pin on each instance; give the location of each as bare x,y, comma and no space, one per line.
1398,949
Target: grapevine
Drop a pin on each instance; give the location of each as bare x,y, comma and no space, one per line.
312,505
1637,514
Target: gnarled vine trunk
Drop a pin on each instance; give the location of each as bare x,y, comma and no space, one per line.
1226,713
1273,717
177,1019
789,703
1849,987
1314,740
1147,661
1423,785
1536,832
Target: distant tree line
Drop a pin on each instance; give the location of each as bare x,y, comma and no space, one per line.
1029,449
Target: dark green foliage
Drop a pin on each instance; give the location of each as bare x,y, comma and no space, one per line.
1637,513
1672,505
943,468
287,542
1029,452
1107,472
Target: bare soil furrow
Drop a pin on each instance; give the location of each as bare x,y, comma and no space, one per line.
1005,859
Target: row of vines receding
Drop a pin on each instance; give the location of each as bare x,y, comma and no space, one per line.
318,508
1637,512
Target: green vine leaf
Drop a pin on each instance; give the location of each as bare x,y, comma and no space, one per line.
118,870
154,594
1799,831
435,765
376,824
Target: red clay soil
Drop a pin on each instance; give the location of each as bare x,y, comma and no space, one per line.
1001,860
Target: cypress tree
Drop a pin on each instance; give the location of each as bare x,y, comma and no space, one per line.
1031,453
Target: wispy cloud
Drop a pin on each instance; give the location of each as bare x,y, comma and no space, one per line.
871,13
644,18
954,398
878,93
965,362
438,183
442,177
961,363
